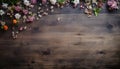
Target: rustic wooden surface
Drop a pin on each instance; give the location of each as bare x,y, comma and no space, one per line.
74,42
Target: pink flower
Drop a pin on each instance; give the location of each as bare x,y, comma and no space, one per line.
18,8
33,1
114,5
44,1
110,2
31,6
21,28
30,19
25,11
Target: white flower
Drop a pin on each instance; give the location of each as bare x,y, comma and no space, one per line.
39,15
4,5
17,16
76,2
26,2
53,2
2,12
51,7
24,17
29,12
2,23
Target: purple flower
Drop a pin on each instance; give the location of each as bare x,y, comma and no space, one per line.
25,11
112,4
18,8
33,1
30,19
44,1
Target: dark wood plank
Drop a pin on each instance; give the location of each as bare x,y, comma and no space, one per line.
74,42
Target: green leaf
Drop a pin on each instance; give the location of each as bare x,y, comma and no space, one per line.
60,1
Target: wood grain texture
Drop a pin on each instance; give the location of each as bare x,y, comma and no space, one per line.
74,42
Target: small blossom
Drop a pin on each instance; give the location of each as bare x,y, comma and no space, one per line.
30,18
40,4
26,2
17,16
30,12
21,29
4,5
24,17
2,12
110,3
37,18
76,2
2,23
44,1
52,10
18,8
51,7
33,1
13,33
58,19
15,21
25,27
39,8
31,6
45,13
114,5
53,2
25,11
5,27
39,15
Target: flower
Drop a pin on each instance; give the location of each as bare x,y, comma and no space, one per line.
2,23
30,12
17,16
114,5
30,18
76,2
33,1
25,11
44,1
109,2
26,2
24,17
2,12
4,5
15,21
21,28
5,27
31,6
53,2
18,8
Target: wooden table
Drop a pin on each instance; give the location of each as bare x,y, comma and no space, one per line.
74,42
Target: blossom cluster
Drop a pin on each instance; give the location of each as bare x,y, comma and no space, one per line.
17,11
23,10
